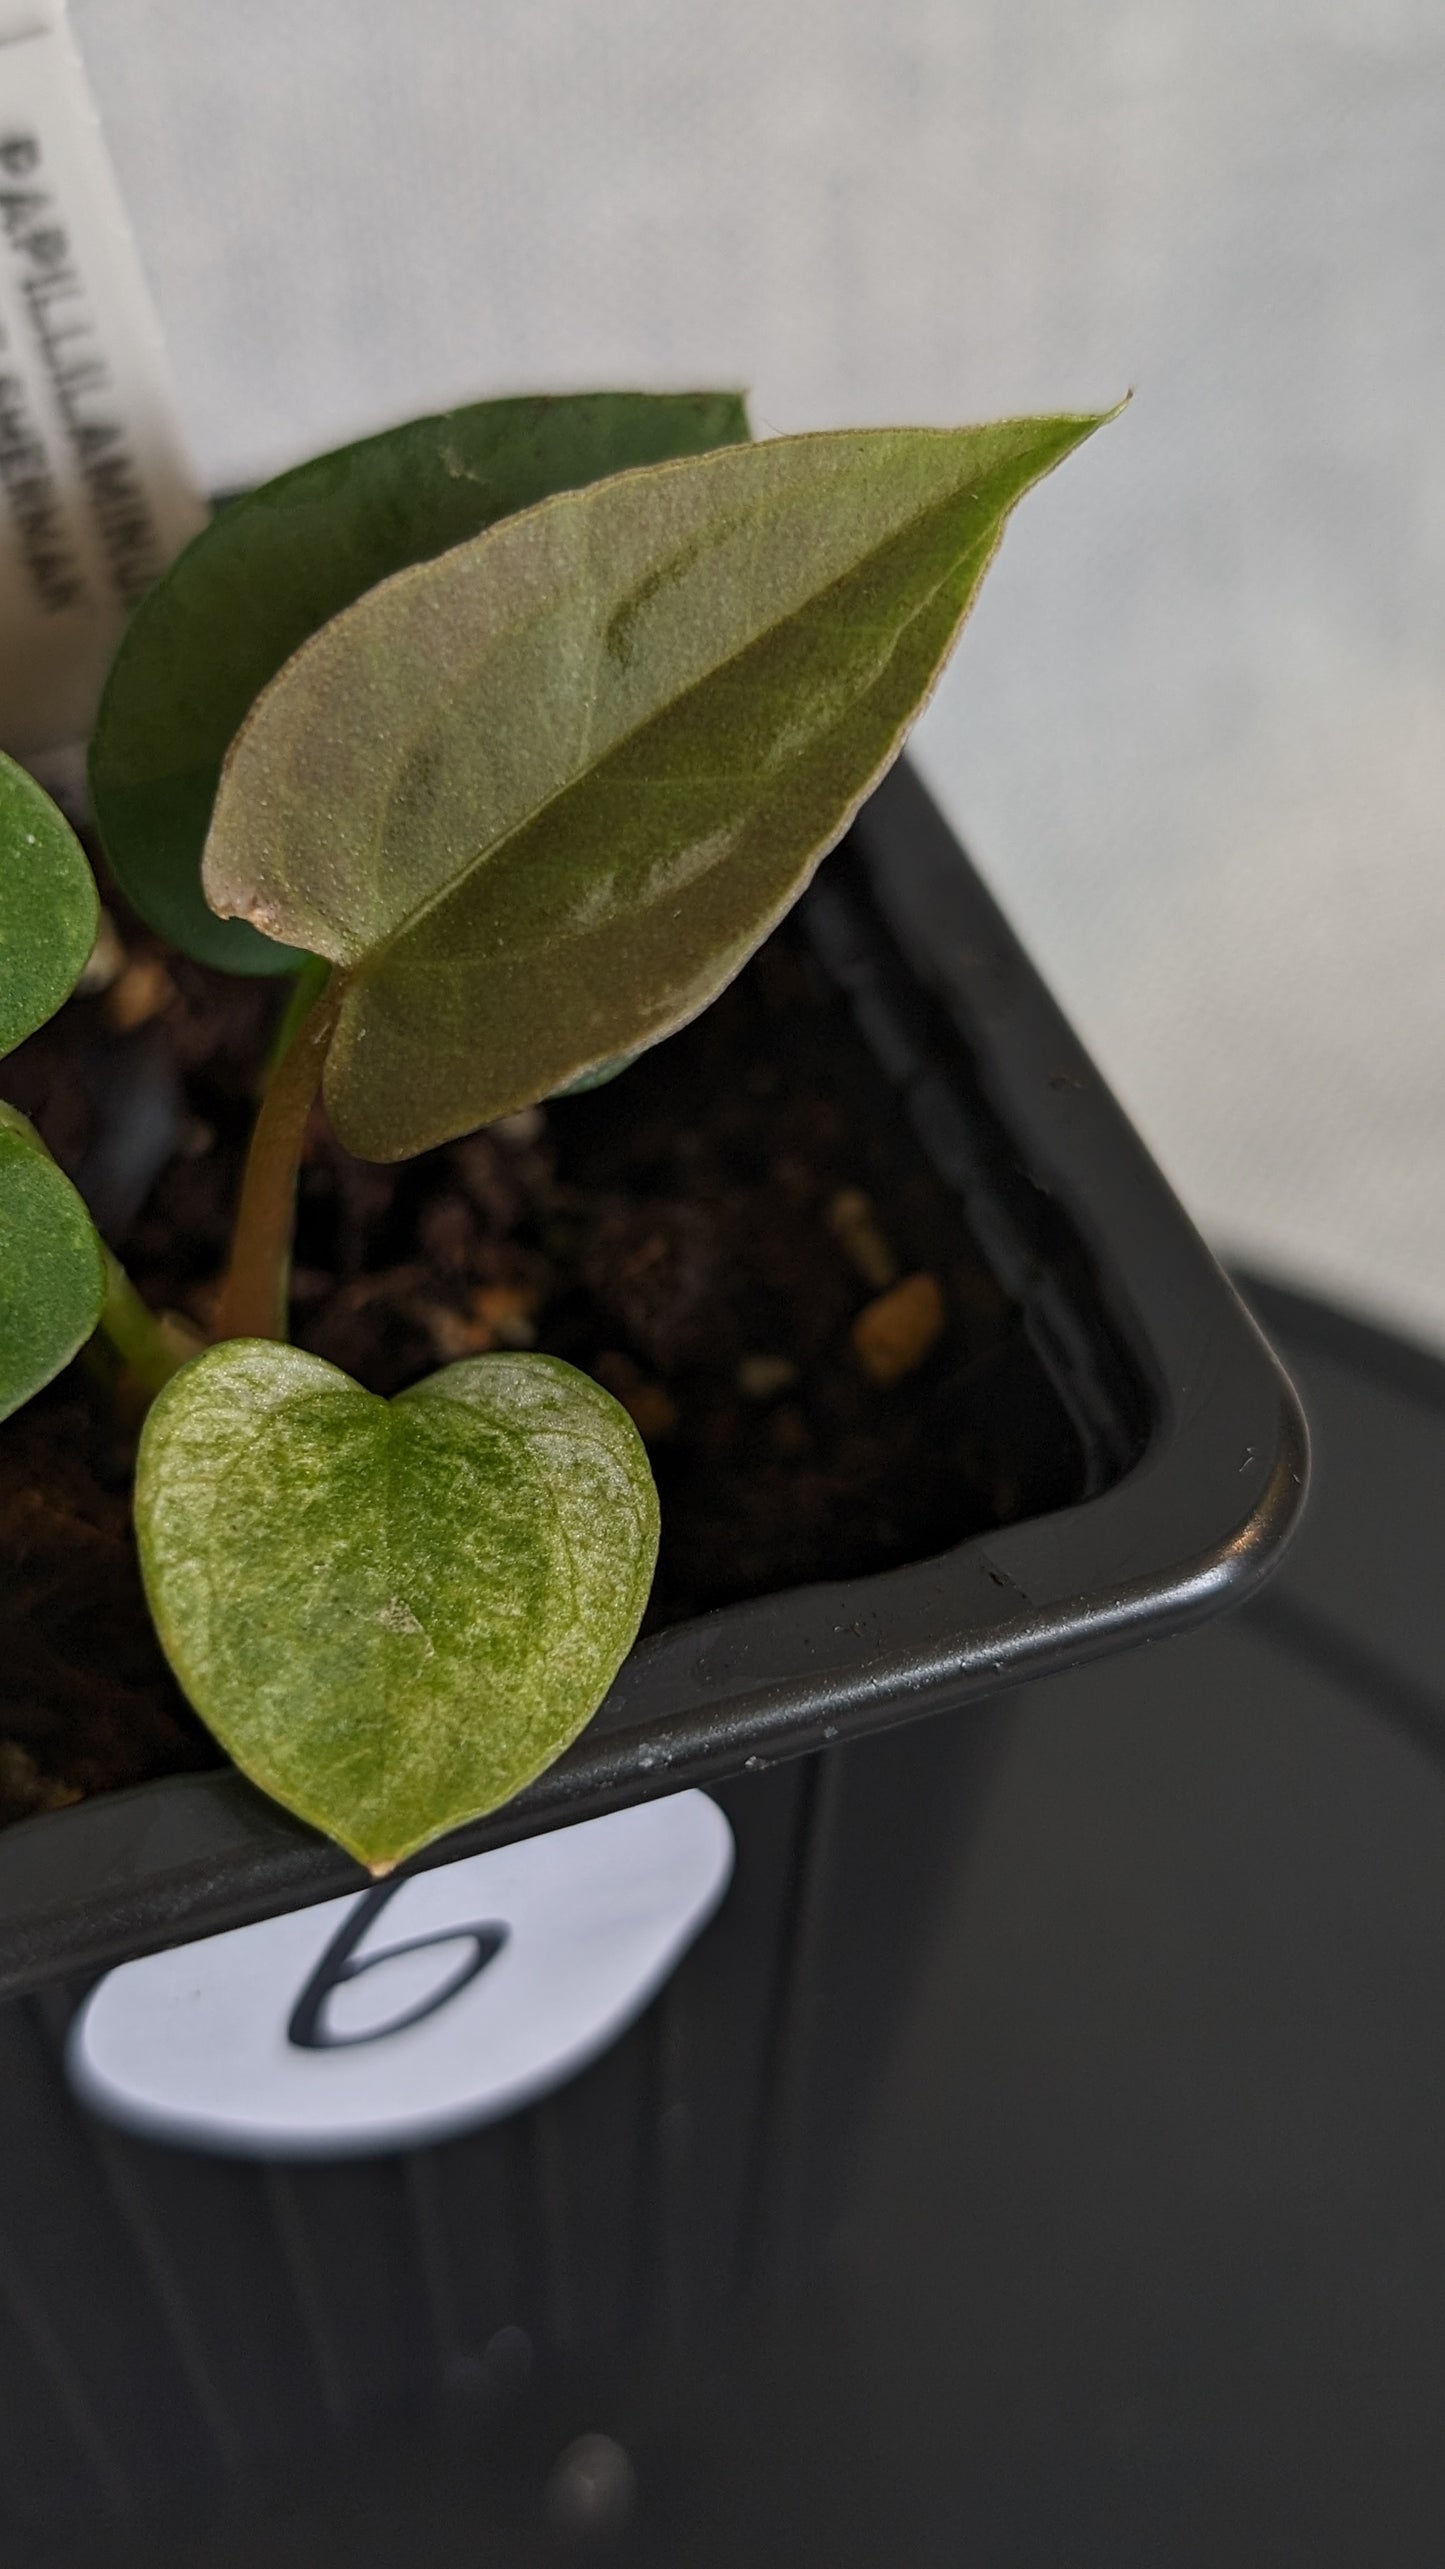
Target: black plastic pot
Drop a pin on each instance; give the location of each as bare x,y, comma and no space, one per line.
164,2315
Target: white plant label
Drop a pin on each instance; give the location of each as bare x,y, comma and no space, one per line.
96,495
419,2009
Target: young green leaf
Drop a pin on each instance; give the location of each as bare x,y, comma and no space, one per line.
276,564
52,1267
48,907
541,798
392,1614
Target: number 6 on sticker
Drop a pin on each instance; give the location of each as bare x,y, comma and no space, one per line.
309,2028
412,2011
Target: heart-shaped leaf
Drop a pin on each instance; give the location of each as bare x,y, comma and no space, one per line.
48,907
541,798
392,1614
273,566
52,1267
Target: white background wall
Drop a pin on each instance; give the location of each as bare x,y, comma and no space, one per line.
1196,733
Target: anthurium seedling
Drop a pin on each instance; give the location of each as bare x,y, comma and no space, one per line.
538,723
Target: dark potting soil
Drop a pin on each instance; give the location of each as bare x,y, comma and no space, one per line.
741,1238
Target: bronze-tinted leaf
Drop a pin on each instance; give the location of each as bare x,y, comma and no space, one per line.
276,563
540,798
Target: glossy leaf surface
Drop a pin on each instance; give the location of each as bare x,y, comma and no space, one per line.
542,797
392,1614
275,565
48,906
52,1271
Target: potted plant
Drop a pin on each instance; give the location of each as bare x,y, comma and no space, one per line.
508,739
513,814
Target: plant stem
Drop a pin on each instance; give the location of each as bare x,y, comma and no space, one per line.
151,1348
306,989
254,1293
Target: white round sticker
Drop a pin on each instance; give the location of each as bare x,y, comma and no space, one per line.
423,2007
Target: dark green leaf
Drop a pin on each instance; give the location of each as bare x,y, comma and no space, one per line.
48,907
541,798
276,564
52,1268
393,1615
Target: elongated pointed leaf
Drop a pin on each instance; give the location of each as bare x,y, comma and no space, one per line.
276,564
52,1271
541,798
48,907
393,1615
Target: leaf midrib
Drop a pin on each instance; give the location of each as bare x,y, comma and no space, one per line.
413,919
